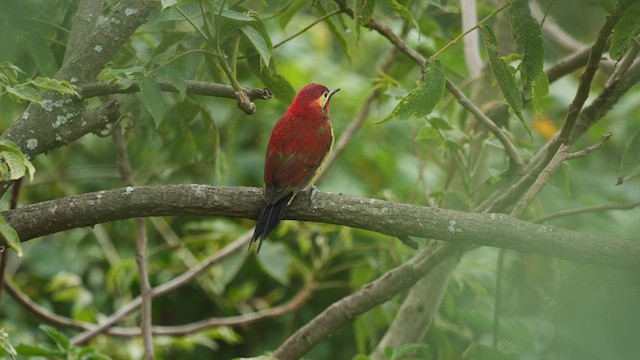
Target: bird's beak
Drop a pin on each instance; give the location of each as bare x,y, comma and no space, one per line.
333,92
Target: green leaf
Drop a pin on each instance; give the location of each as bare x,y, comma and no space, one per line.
289,11
48,84
5,345
275,260
404,350
234,15
630,162
483,352
503,75
526,33
427,132
440,123
40,350
276,83
24,92
176,77
17,163
152,98
191,9
261,44
61,341
540,90
422,100
625,31
123,78
9,73
363,11
168,3
335,30
403,12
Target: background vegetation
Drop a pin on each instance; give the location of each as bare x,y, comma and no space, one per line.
137,100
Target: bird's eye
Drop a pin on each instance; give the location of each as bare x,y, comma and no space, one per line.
325,94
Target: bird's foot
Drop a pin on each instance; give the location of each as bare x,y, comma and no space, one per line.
312,192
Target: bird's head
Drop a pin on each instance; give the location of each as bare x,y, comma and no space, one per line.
313,96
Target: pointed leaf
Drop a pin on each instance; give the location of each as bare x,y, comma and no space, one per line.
15,160
234,15
258,42
526,32
335,30
503,75
48,84
403,12
363,12
24,92
540,90
630,162
422,100
440,123
10,236
625,31
152,98
275,261
61,341
276,83
427,132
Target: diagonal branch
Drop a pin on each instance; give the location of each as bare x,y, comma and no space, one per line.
370,295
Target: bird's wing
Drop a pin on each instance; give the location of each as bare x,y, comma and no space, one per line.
293,160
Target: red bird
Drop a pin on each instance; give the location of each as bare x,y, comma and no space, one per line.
300,144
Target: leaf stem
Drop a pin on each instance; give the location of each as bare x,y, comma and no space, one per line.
317,21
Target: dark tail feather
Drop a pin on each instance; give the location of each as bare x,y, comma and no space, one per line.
270,217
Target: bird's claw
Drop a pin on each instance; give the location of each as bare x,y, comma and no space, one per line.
312,192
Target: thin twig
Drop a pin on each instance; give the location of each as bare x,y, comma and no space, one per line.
171,285
509,147
625,63
586,78
469,30
587,209
314,23
124,166
560,156
175,330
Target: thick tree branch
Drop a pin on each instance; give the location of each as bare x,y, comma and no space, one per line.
59,120
101,88
385,217
84,21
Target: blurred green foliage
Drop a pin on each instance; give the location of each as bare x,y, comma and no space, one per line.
551,309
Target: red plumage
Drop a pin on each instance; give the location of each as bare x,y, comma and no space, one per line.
300,143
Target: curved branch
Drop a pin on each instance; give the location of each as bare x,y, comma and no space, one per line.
173,330
101,88
165,288
394,219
